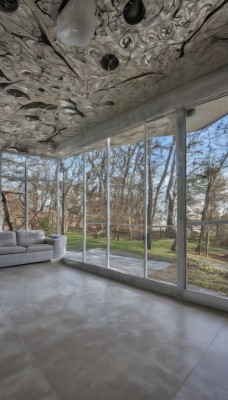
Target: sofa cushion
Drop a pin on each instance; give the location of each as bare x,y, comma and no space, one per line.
12,250
27,238
39,247
8,239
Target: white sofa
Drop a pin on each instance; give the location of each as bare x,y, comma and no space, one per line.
24,247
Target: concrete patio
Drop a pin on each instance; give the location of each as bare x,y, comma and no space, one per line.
128,265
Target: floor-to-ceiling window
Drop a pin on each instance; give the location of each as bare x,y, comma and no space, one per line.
96,204
162,199
127,180
207,199
130,203
71,203
42,200
13,191
140,198
28,192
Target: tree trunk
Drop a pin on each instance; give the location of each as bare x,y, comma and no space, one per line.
152,203
200,242
63,207
129,232
207,242
207,202
164,175
78,221
149,208
6,211
170,198
174,246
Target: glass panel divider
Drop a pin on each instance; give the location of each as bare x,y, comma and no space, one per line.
26,195
108,203
145,198
0,192
57,197
181,201
84,209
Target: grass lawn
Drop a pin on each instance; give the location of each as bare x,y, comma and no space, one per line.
207,278
160,248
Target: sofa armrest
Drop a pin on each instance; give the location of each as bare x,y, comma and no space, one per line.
57,246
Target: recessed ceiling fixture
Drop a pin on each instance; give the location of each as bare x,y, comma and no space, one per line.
76,23
109,62
9,5
134,12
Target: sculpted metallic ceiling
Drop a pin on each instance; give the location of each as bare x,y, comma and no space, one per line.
50,92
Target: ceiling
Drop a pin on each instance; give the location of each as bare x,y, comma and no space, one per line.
50,92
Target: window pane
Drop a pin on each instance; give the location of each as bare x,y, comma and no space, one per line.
127,206
162,199
13,166
71,189
13,204
96,204
41,168
207,165
207,265
42,206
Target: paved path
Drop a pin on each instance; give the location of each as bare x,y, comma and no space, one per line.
129,265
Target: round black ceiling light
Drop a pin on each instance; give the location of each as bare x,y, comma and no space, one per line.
109,62
134,12
9,5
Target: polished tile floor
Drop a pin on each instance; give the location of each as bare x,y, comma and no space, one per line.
66,334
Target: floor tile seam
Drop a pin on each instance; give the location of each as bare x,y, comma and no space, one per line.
34,359
197,364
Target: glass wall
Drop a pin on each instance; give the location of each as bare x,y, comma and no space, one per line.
42,200
162,199
138,171
71,195
127,205
123,200
96,205
207,203
13,192
29,193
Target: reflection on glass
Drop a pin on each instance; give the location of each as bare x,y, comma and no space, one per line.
208,268
127,208
96,204
162,199
71,195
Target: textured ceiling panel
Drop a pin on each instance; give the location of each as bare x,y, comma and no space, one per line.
50,92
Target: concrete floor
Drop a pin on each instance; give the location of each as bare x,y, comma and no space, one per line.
65,334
